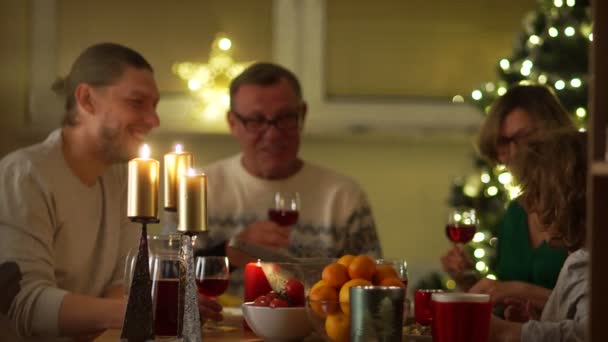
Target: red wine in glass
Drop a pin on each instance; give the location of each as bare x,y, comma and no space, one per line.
460,233
284,218
212,287
166,310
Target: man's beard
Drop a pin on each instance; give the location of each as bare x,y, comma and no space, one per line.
111,148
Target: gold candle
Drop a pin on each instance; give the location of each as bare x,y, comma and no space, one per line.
142,195
175,164
192,202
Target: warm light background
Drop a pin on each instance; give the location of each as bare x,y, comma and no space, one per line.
383,48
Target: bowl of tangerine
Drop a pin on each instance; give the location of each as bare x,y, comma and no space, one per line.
328,301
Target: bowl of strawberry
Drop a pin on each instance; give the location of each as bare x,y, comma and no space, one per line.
279,315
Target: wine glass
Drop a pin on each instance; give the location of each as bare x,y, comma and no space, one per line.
285,207
461,225
212,275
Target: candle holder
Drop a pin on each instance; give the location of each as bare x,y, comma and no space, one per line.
191,327
138,325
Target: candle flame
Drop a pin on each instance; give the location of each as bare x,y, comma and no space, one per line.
178,148
191,172
145,151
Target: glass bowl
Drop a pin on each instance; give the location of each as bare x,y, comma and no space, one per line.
306,270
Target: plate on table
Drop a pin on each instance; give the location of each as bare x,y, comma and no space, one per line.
417,333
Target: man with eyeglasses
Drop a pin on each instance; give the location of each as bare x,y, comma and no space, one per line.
266,118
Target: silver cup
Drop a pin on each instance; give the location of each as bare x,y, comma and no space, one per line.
376,313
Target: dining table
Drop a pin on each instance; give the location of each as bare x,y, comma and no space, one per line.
230,329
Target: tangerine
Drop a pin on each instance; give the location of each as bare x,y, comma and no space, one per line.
384,271
317,284
344,295
337,327
335,275
392,281
346,260
362,267
323,300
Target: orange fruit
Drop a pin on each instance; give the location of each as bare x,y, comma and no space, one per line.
317,284
392,281
362,267
346,260
323,300
337,327
384,271
345,292
335,275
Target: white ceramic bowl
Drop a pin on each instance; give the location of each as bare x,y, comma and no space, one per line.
277,324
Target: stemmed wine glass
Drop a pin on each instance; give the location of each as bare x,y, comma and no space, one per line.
285,207
212,275
461,225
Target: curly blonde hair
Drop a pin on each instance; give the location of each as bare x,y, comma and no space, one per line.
552,169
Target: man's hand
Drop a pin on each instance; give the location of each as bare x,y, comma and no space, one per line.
265,233
209,309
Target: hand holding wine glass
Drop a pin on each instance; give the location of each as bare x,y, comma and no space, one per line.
285,207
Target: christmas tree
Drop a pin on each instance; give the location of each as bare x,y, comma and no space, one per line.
552,49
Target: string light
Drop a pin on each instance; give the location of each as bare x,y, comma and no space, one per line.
504,64
501,91
525,71
570,3
576,82
450,284
582,129
590,37
534,39
491,276
492,191
559,85
581,112
480,266
569,31
542,79
479,253
558,3
479,237
490,87
553,32
485,178
458,99
505,178
477,95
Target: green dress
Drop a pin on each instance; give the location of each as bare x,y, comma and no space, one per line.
517,259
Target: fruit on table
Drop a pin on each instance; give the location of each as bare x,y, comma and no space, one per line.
344,295
335,275
323,300
337,327
291,295
334,287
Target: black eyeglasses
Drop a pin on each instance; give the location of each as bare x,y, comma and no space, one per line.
515,138
287,122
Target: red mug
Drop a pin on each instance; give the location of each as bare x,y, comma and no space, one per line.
422,306
461,317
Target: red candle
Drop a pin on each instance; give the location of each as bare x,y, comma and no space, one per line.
256,284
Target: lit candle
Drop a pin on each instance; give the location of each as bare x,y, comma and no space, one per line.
256,283
142,195
176,163
192,202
